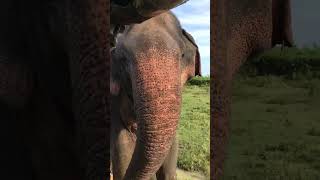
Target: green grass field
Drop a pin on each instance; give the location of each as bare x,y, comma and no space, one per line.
275,125
275,129
194,127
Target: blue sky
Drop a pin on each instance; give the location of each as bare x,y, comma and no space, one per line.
195,18
306,22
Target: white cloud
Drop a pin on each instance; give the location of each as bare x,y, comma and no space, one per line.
200,34
195,20
197,4
205,51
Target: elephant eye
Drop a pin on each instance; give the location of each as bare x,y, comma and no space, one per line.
182,55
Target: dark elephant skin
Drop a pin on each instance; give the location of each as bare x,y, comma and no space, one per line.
137,11
15,90
53,89
241,29
150,64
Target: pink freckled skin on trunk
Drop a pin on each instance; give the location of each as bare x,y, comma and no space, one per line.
157,105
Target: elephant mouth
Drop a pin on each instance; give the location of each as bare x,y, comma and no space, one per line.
132,127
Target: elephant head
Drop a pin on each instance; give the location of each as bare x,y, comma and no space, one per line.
159,57
136,11
240,29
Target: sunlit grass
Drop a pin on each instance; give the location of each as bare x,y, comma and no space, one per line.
194,127
275,129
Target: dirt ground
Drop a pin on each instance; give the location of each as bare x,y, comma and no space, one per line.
185,175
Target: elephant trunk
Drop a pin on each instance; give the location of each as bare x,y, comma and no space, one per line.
157,97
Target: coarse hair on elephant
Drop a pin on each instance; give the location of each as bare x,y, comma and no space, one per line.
150,64
240,30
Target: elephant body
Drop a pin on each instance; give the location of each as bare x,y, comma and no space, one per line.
53,89
150,65
241,30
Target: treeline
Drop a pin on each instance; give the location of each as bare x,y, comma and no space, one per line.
199,81
288,62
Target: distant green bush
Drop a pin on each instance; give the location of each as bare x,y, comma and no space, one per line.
199,81
289,62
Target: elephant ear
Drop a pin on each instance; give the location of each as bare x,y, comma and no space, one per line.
197,64
281,22
197,58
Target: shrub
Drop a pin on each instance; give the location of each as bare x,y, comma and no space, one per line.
289,62
199,81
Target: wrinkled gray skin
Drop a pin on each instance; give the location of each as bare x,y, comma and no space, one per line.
240,30
150,64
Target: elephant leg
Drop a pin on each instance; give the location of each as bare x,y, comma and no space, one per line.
169,166
122,153
122,150
220,85
85,36
123,141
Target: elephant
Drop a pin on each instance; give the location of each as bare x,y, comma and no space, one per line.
126,12
55,107
149,67
53,89
240,30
